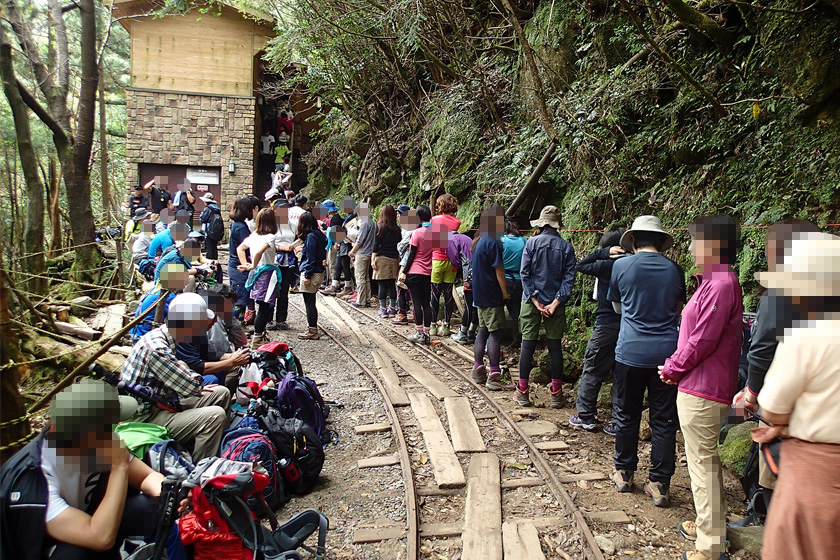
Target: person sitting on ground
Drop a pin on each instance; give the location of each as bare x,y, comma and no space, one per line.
72,492
648,290
705,369
263,273
460,250
489,295
134,226
599,358
184,254
174,279
408,223
417,275
142,241
548,274
167,238
153,363
313,254
212,225
444,223
385,260
226,335
210,365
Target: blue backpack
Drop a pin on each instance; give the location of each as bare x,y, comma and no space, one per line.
168,457
248,444
299,397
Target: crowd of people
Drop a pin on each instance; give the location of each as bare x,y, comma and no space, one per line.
675,354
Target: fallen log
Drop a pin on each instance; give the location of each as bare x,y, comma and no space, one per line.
64,355
85,333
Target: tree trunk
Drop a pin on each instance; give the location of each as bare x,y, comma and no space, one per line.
55,210
723,38
107,203
34,261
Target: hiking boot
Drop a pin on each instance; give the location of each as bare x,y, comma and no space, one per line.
329,290
479,375
383,313
522,399
688,529
283,325
272,326
495,383
623,481
471,336
390,312
697,555
258,340
658,491
748,521
310,334
460,337
347,293
444,330
400,319
576,422
248,320
419,338
357,305
557,400
433,330
610,429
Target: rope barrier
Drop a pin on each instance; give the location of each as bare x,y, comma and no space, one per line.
20,442
70,250
75,282
16,421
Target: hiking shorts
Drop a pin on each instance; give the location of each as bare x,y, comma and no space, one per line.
530,320
443,272
492,318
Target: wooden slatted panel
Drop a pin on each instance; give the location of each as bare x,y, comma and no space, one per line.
396,393
447,469
466,437
482,535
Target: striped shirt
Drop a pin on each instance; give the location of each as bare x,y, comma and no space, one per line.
152,363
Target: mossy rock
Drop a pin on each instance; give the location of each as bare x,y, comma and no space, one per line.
319,186
734,451
390,177
542,373
358,138
605,395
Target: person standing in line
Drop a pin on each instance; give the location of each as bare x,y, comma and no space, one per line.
213,226
408,223
339,252
184,200
239,231
284,242
599,359
267,141
263,273
385,260
705,370
313,255
361,253
548,274
443,271
417,275
460,250
648,290
489,295
513,245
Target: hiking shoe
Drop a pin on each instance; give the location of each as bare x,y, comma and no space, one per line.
576,422
479,375
310,334
623,481
697,555
248,320
347,293
522,399
688,529
356,304
400,319
419,338
494,383
460,337
390,312
658,491
329,290
258,340
610,429
557,400
748,521
433,331
383,313
443,330
277,326
283,325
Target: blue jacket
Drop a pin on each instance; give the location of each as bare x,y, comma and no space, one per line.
160,243
548,268
170,257
314,254
149,322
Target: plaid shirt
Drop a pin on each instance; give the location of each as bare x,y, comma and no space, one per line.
152,362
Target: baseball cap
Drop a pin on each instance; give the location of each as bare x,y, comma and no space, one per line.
403,209
189,307
88,406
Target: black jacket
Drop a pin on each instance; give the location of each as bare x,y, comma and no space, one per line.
599,264
774,314
23,504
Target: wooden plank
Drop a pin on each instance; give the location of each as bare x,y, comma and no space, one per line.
486,415
86,333
447,469
435,492
521,540
381,461
110,319
466,437
396,394
552,446
376,534
434,385
482,535
456,348
441,530
609,516
542,522
569,478
352,323
522,483
372,428
335,321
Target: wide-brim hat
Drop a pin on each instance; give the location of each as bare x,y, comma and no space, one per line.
330,205
208,198
645,223
272,193
549,216
811,268
141,213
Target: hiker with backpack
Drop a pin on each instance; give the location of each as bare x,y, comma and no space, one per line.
313,255
72,492
417,275
459,250
408,223
213,226
704,367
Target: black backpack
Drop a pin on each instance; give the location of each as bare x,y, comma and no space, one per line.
215,227
299,449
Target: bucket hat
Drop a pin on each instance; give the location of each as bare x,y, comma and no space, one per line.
141,213
811,268
645,223
549,216
330,205
208,198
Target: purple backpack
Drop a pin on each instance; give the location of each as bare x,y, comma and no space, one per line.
299,397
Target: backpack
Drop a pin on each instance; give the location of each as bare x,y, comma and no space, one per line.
246,443
299,397
215,227
140,436
168,457
298,446
147,267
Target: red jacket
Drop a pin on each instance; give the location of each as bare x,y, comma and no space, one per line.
705,363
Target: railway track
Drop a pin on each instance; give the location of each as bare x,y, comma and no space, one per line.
494,517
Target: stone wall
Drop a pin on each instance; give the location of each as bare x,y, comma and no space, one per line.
170,128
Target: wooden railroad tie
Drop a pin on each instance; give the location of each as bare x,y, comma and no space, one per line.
372,428
380,461
395,391
447,470
482,535
434,385
466,437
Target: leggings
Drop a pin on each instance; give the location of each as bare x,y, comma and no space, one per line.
402,300
282,309
443,289
470,316
387,289
420,286
311,310
493,342
263,316
342,264
555,353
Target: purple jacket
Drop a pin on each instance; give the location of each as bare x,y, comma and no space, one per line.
459,247
705,363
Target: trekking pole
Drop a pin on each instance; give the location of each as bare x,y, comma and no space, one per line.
169,493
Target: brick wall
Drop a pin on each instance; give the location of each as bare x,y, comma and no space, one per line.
197,130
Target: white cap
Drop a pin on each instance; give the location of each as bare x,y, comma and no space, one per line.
189,306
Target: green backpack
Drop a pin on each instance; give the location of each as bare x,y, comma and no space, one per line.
139,436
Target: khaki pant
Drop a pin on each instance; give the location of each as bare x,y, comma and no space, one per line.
362,279
331,261
766,478
700,421
205,418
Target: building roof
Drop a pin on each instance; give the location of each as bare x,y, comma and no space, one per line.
145,8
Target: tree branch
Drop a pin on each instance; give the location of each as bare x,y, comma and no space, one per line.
58,132
721,37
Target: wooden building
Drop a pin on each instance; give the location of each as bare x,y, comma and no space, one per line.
196,104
